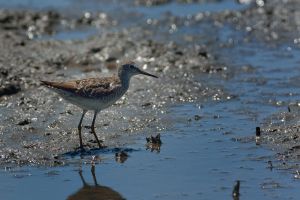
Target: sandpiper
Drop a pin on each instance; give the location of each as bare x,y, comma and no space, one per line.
96,94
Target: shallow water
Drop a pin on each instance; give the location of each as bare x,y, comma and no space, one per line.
180,9
199,159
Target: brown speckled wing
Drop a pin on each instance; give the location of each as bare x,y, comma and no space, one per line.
89,88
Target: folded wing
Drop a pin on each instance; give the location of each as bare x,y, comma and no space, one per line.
89,88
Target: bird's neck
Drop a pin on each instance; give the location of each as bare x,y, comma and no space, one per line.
125,79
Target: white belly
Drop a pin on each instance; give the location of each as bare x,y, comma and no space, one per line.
91,103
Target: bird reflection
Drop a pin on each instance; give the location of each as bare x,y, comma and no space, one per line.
94,192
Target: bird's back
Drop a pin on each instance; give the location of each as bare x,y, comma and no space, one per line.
89,93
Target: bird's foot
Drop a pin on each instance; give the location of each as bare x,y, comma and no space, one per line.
100,143
80,148
102,146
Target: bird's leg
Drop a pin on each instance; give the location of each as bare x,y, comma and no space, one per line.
79,129
93,129
81,177
94,175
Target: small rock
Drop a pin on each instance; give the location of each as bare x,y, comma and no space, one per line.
146,104
236,190
111,59
180,53
9,89
258,132
95,49
203,54
24,122
197,117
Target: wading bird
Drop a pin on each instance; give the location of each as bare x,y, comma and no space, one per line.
96,94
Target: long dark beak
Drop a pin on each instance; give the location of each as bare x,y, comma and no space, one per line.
147,74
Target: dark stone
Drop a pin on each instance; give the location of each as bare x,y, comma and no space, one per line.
95,49
203,54
9,89
24,122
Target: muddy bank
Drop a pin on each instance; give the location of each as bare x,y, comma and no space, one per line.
275,22
271,22
281,133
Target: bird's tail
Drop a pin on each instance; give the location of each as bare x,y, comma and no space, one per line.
46,83
51,84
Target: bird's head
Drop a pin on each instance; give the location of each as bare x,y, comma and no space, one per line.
130,69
